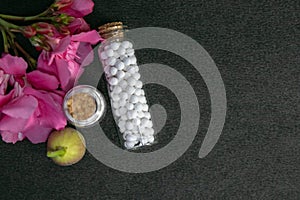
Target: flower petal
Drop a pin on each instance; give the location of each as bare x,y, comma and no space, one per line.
10,137
78,25
78,8
13,65
21,108
91,37
4,99
15,125
63,72
42,80
51,115
37,134
85,54
85,7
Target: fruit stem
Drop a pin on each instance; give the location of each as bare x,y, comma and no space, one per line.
60,152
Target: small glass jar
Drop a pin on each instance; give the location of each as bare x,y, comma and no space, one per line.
84,106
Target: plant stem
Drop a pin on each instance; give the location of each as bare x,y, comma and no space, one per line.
29,18
31,61
5,42
8,25
56,153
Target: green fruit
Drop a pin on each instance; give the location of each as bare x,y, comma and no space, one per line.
66,147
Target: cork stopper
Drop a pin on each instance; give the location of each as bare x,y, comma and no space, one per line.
111,29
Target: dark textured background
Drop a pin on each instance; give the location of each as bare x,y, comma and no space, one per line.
255,45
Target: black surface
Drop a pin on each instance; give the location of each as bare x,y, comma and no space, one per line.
255,45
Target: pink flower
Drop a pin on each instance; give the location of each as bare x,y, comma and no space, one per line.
75,8
12,72
26,112
65,62
32,115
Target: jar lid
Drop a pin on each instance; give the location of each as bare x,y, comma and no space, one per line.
84,105
111,29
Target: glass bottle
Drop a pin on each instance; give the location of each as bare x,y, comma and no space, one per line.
128,100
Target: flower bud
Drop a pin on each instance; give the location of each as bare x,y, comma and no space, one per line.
40,42
64,19
60,4
64,30
28,31
43,27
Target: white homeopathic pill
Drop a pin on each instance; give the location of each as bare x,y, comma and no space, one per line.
125,133
122,102
122,57
123,84
117,89
131,114
115,105
148,132
109,52
139,107
138,91
141,114
123,95
107,70
131,81
115,45
142,99
132,59
150,124
121,124
113,71
127,61
103,55
125,44
124,117
121,51
123,110
122,130
129,106
131,70
136,121
129,125
120,74
127,75
144,122
136,76
130,90
130,51
145,107
134,99
120,65
113,81
111,61
147,115
150,139
130,145
117,113
144,140
116,55
115,97
131,138
139,84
